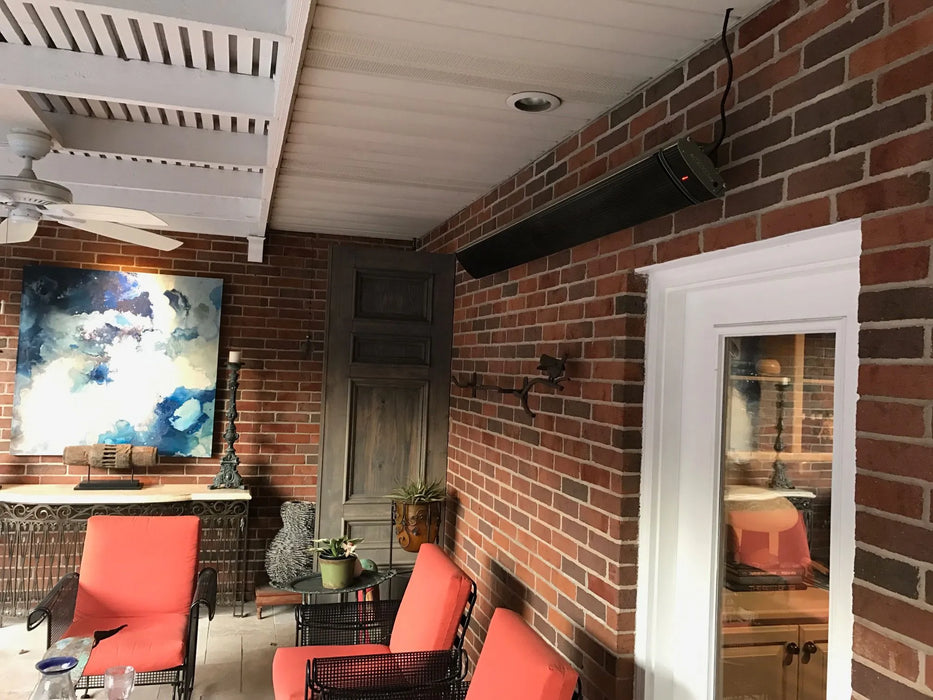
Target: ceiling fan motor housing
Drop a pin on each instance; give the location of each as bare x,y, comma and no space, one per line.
26,188
29,143
21,190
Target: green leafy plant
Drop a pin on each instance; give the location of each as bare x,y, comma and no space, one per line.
419,491
336,547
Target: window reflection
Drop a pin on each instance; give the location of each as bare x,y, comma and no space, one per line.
777,478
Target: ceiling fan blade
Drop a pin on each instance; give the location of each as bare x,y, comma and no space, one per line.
15,230
127,234
93,212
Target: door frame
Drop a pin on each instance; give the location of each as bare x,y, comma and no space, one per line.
676,625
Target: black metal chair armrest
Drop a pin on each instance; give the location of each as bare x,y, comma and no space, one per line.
205,593
58,606
346,676
368,622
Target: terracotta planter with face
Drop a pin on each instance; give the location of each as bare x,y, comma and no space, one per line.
416,523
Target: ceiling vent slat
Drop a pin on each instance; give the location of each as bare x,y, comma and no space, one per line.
97,109
115,110
151,42
265,57
175,45
54,24
9,28
201,52
27,24
128,32
244,54
81,30
101,34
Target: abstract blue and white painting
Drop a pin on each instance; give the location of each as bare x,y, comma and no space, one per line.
117,358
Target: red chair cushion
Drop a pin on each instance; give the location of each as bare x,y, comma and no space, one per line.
432,605
515,663
288,665
138,566
151,643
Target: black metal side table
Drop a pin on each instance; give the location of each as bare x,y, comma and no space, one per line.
310,586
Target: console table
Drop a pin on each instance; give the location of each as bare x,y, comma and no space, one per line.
42,528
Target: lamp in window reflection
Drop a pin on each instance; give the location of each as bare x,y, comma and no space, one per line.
779,479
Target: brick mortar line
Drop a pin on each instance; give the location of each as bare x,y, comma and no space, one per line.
894,635
892,595
916,684
918,523
896,479
897,439
892,399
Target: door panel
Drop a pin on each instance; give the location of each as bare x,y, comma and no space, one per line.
388,425
386,388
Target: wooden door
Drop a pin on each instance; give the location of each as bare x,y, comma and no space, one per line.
386,388
811,674
756,663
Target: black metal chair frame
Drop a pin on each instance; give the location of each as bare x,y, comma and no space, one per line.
58,607
371,622
455,689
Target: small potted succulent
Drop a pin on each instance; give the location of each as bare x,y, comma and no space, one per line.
336,560
418,512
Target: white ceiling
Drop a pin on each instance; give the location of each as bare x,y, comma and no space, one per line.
387,117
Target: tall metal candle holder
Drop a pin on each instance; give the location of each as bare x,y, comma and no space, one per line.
779,479
228,477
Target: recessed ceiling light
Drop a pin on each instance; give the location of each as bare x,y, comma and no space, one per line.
533,101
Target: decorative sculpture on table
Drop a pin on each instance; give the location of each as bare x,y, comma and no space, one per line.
117,457
289,555
228,477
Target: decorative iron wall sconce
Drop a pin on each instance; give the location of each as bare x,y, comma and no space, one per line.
553,367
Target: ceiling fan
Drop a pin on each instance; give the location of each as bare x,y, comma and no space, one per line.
25,200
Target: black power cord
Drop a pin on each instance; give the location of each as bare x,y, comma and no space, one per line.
722,105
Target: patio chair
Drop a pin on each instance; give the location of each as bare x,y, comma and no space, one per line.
432,615
515,663
138,576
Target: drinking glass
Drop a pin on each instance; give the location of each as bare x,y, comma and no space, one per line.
119,681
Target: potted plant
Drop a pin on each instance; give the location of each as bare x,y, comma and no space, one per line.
418,512
336,560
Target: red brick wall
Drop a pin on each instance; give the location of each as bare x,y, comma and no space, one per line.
830,119
268,310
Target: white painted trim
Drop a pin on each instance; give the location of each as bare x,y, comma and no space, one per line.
112,79
93,171
186,204
214,226
255,250
290,61
830,244
158,141
675,626
262,19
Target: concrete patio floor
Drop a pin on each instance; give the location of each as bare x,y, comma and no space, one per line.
234,657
